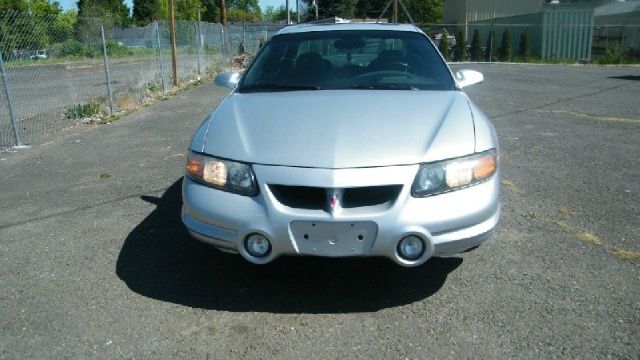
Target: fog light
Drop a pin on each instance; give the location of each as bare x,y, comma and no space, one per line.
257,245
411,248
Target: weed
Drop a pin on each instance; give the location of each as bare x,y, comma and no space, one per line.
108,119
80,111
532,215
627,254
589,237
562,225
105,175
126,102
509,185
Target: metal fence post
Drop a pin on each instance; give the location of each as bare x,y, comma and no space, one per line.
106,69
7,93
244,36
160,57
196,25
222,39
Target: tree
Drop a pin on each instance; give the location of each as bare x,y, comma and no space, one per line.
113,10
272,14
240,15
42,8
505,53
422,11
146,11
250,6
95,13
525,46
444,45
369,8
476,47
460,51
62,28
490,50
328,8
211,11
186,9
13,5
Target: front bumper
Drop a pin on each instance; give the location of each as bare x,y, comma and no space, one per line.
448,223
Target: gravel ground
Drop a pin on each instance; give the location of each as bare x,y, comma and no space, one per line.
95,261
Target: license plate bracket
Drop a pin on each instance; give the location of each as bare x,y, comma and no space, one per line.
329,238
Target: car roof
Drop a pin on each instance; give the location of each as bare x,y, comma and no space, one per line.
301,28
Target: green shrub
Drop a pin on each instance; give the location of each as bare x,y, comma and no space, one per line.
115,49
615,54
476,47
524,50
490,50
505,53
460,51
72,48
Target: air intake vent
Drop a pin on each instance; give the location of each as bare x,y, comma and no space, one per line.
316,198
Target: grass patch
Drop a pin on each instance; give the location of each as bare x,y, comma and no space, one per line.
532,215
562,225
627,254
105,175
589,237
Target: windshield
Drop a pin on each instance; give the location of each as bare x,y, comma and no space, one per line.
354,59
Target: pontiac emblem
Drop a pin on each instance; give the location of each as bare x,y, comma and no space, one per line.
334,200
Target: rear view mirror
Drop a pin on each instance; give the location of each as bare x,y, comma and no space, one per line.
350,43
467,77
227,79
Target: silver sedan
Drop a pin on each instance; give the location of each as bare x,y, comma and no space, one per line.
344,140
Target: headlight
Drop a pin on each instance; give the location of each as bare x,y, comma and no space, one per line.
439,177
222,174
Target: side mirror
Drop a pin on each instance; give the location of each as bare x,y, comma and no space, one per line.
467,77
228,79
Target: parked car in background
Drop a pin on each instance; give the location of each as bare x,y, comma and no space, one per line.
40,54
344,140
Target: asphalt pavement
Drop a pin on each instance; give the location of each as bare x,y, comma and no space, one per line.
96,263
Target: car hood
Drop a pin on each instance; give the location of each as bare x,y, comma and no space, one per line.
341,128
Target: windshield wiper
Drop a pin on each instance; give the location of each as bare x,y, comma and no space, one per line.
277,87
382,87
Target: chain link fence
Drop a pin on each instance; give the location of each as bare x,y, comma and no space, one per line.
56,74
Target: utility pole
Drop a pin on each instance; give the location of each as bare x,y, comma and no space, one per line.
298,10
174,57
315,6
288,13
395,11
223,12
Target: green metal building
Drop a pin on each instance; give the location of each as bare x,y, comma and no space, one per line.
557,29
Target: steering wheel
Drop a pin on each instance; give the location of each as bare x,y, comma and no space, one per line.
397,66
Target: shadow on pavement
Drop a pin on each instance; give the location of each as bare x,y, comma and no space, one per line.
159,260
626,77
